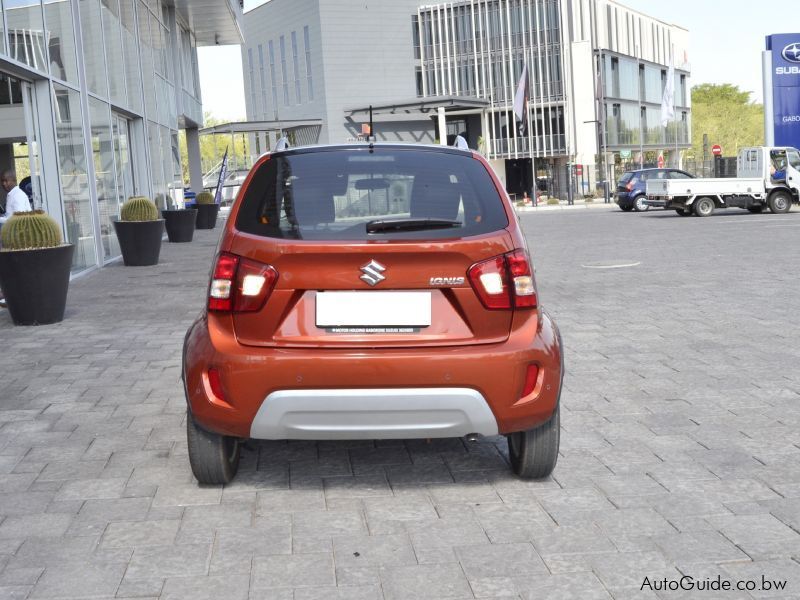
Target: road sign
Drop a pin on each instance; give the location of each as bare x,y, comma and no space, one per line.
624,153
716,150
579,170
660,161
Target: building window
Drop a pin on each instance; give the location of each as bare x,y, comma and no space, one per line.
296,65
27,42
684,127
682,91
308,63
615,77
418,76
283,72
73,173
263,78
274,81
415,34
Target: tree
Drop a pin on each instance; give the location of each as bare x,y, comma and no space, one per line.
212,149
726,114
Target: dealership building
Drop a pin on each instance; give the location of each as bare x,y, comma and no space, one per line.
597,74
92,96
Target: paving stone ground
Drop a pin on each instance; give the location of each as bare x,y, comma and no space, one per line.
680,442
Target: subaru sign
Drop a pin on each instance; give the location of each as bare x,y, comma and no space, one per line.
792,53
784,50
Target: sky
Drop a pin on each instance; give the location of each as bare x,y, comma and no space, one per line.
726,39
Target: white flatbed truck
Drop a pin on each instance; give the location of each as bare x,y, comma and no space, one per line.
767,177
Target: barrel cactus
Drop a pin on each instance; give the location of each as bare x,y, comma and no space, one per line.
139,208
204,198
30,230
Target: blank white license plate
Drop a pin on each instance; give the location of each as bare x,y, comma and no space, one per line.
373,309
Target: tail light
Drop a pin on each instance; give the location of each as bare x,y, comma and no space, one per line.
629,187
239,284
504,282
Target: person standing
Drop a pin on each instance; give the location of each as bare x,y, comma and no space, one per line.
16,201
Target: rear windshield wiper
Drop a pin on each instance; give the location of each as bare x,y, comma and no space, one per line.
384,225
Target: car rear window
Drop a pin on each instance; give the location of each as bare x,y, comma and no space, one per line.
334,194
626,177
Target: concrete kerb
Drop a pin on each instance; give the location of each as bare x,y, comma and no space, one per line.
564,206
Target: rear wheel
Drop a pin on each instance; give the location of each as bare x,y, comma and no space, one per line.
683,212
534,452
639,205
704,207
626,207
214,458
780,203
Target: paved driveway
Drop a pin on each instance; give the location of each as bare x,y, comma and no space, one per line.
680,442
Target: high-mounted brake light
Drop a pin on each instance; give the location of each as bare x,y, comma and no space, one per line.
240,284
504,282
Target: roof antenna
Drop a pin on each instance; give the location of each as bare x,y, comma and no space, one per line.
460,143
282,144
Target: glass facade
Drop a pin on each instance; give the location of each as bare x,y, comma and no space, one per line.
120,78
74,174
524,33
633,91
27,42
479,49
63,61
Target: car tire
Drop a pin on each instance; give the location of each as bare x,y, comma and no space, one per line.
534,452
704,207
625,207
756,210
683,212
639,205
780,203
214,458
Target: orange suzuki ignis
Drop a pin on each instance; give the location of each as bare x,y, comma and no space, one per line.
373,291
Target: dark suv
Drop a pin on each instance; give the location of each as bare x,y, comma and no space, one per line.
372,292
632,186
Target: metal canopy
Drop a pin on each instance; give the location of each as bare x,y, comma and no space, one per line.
214,22
423,106
258,126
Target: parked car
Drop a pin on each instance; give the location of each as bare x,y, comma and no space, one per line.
632,186
372,292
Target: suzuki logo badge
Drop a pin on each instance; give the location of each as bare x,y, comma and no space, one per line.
373,273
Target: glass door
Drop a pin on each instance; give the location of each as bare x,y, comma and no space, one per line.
122,157
34,156
19,151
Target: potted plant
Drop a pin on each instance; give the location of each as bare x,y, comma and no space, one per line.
139,232
180,223
207,210
34,268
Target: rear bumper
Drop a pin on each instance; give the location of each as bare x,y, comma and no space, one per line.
375,413
318,393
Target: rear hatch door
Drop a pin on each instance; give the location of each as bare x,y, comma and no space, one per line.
344,281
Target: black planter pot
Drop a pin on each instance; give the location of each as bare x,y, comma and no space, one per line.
180,224
35,283
207,216
140,241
